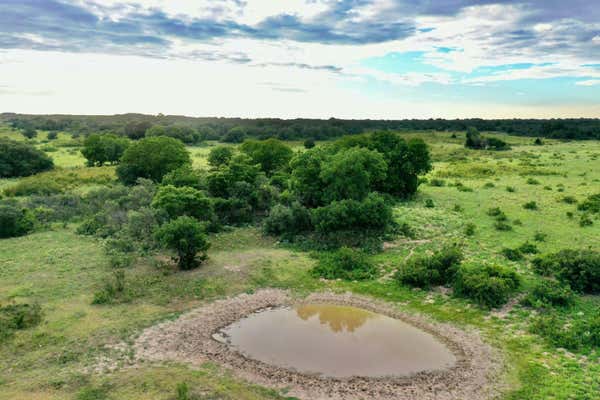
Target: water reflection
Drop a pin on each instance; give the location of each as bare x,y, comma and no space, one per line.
337,341
338,318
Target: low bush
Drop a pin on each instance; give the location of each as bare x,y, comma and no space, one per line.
578,268
532,181
591,204
528,248
540,236
502,226
530,205
512,254
38,185
15,317
345,263
487,285
511,189
549,293
15,221
569,200
585,220
429,203
437,182
489,185
426,271
113,290
470,229
287,221
21,159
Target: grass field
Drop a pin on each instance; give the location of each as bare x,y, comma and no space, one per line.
72,354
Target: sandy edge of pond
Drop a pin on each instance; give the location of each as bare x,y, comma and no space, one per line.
475,376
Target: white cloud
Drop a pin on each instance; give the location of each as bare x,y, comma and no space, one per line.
591,82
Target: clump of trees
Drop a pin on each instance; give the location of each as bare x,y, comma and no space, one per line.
184,133
152,158
187,237
99,149
487,285
478,142
426,271
21,159
580,269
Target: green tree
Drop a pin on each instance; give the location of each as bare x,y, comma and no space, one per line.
352,174
236,134
219,155
152,158
21,159
187,237
178,201
271,154
306,180
103,148
309,143
474,139
29,132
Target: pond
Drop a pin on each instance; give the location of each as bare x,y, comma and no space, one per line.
336,341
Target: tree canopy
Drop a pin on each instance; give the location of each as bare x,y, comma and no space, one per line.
152,158
100,149
21,159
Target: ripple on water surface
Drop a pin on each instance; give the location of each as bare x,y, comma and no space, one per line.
337,341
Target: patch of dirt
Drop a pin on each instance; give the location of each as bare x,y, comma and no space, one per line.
475,376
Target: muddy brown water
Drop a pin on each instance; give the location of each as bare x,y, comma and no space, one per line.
336,341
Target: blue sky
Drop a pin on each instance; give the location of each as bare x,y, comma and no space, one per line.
302,58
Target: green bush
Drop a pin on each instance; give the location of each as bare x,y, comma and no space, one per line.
591,204
530,205
17,317
569,200
532,181
585,220
512,254
549,293
470,229
113,290
580,269
15,221
426,271
220,155
186,236
185,176
437,182
309,143
487,285
178,201
287,221
511,189
371,213
270,154
99,149
429,203
21,159
35,185
528,248
345,263
502,226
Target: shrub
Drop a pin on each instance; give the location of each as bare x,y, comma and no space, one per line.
185,176
528,248
309,143
512,254
502,226
219,155
15,221
470,229
35,185
538,142
511,189
287,221
487,285
569,200
591,204
186,236
113,290
52,135
178,201
152,158
345,263
495,212
437,182
549,293
540,236
17,317
585,220
489,185
532,181
429,203
530,205
21,159
438,269
237,134
371,213
578,268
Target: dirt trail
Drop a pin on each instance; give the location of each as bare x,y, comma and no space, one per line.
475,375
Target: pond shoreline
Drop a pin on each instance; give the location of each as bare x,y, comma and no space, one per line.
189,339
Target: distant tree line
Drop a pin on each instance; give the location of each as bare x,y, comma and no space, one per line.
235,130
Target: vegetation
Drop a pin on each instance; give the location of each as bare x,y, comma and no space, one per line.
296,226
21,159
152,158
101,149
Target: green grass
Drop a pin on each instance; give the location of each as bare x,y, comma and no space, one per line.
61,270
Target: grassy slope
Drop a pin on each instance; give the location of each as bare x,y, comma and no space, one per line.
61,271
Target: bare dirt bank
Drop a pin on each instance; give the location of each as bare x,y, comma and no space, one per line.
189,339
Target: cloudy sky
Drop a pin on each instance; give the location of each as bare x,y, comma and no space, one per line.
302,58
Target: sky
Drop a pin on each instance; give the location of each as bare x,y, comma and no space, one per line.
375,59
